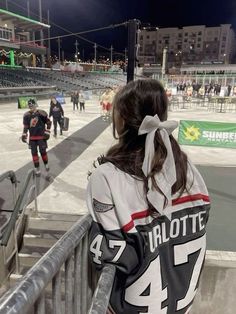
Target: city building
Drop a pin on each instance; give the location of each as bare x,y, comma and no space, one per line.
187,45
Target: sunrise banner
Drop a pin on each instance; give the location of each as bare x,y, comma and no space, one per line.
205,133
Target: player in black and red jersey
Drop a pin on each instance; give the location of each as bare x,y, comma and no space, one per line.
38,124
150,207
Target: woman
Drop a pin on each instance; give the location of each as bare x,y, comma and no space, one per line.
57,113
149,206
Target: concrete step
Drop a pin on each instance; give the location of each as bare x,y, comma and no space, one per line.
28,260
43,224
36,241
56,216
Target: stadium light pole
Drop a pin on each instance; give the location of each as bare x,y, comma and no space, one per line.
111,55
76,50
7,5
95,55
41,33
49,41
59,49
28,8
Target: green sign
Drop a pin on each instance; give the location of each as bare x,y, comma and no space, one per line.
205,133
23,101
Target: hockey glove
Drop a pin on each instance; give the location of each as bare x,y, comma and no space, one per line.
24,138
47,135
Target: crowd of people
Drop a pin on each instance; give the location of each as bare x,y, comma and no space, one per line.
204,90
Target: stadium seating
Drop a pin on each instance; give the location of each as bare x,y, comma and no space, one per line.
64,81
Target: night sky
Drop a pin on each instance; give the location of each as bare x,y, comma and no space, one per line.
81,15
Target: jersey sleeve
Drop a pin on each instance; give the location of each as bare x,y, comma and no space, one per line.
26,123
108,243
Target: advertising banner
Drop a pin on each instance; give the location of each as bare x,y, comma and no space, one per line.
205,133
23,101
60,98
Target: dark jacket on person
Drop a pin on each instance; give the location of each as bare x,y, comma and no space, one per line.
56,110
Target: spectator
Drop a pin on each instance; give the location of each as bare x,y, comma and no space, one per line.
149,206
57,113
75,100
82,101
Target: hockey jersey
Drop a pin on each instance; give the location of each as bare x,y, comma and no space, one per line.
158,261
35,122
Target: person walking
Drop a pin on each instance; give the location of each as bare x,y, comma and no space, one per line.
82,101
57,113
75,100
37,124
149,206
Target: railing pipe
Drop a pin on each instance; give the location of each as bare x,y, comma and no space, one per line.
21,298
102,293
17,209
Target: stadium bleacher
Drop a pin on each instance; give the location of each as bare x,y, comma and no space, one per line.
63,81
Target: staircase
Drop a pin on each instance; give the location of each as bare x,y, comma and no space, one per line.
41,233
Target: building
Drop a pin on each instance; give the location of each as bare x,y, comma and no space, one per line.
18,36
187,45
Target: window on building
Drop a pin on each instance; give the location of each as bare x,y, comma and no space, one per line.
224,38
186,40
148,36
6,33
141,37
199,33
199,39
198,45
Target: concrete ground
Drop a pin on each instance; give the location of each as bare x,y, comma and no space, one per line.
71,157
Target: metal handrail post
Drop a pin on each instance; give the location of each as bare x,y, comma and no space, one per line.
103,291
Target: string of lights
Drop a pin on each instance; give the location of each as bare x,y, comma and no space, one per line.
78,35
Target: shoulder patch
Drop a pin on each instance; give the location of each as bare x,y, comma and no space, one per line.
101,207
42,112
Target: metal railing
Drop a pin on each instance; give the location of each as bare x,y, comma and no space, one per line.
12,176
70,254
17,214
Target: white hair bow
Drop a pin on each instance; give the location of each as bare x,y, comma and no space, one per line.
166,178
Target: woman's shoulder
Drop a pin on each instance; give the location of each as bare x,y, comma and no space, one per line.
105,169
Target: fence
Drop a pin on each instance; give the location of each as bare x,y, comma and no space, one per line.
67,260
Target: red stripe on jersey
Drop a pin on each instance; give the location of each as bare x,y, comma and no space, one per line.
191,198
134,216
39,137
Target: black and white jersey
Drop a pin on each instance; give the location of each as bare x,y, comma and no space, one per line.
159,260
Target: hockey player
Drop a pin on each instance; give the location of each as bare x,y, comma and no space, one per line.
150,208
38,124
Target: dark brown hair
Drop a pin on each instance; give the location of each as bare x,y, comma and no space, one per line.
132,103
